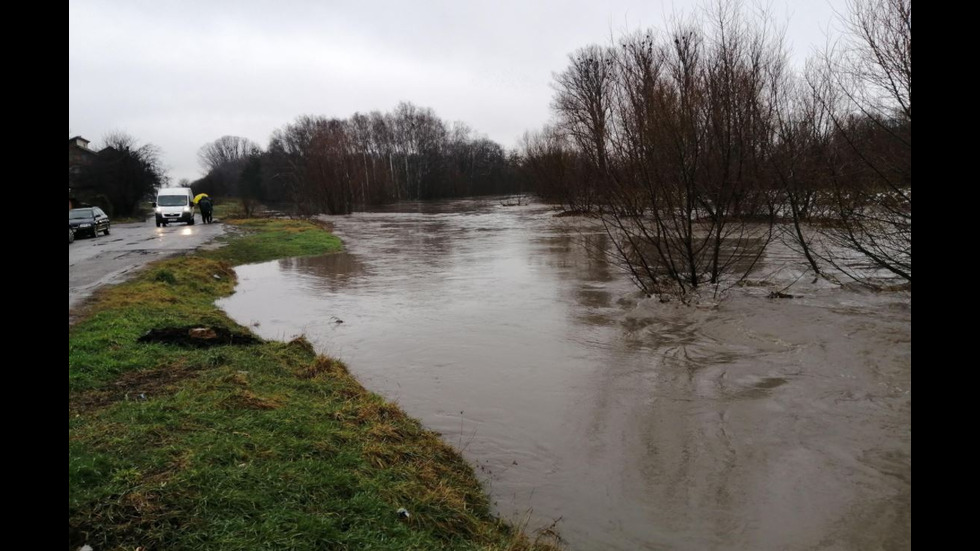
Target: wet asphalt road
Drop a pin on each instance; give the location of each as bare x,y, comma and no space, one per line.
109,259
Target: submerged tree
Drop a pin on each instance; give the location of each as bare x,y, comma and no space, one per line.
557,170
865,88
676,130
797,169
691,144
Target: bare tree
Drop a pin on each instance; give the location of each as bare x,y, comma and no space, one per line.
312,158
696,141
556,169
224,151
360,128
798,169
223,161
865,87
584,105
677,130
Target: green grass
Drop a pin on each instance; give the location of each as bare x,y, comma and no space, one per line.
264,446
263,239
226,208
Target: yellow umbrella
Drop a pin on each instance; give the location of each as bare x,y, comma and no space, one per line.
199,196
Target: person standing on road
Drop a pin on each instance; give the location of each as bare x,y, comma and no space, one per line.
207,209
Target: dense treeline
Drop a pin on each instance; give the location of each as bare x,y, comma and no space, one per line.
119,177
321,164
693,144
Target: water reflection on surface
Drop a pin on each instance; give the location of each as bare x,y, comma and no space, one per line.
751,424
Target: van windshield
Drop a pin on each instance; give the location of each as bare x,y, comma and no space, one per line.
171,200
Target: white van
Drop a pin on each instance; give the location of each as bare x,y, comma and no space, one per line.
175,204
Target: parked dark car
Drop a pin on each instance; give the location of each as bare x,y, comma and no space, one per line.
90,220
71,234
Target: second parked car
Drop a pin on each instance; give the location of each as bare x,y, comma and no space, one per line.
89,220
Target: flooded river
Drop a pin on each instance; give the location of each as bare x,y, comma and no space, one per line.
746,424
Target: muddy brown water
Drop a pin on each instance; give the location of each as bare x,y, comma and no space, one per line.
747,423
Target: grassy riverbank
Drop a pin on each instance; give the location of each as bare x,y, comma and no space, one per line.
221,444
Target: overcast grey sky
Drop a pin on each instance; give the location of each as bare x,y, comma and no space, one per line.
178,74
